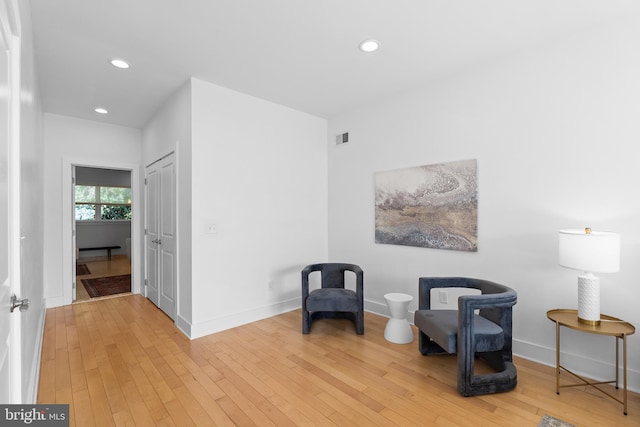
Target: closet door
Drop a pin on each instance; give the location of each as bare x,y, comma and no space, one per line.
152,187
160,237
167,262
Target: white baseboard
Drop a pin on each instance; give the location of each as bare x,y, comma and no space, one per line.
32,387
184,326
222,323
582,365
380,309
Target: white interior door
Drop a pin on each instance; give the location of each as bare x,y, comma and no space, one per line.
167,241
152,231
5,280
10,333
160,236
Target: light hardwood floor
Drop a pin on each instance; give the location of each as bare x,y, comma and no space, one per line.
100,267
121,361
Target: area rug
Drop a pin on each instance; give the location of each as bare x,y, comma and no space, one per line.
82,270
549,421
103,286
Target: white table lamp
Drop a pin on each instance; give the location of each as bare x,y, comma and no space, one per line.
591,252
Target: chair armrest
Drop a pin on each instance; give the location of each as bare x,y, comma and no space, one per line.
305,278
498,305
494,307
359,286
476,302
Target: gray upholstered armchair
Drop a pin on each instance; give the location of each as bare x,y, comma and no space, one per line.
332,300
486,335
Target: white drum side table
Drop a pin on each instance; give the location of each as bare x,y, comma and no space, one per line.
398,330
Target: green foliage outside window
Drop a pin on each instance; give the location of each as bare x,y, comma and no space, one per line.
116,212
102,203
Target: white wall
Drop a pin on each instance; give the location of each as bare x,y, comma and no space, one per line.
259,173
93,234
170,127
170,131
555,131
70,141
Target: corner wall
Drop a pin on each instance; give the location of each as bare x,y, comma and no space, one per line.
170,131
555,132
260,176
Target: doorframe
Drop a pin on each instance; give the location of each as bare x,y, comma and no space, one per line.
137,209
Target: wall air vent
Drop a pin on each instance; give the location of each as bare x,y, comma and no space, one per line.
342,138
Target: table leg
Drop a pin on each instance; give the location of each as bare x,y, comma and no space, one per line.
557,357
624,372
617,362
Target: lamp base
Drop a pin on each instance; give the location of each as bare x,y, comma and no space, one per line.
589,299
588,322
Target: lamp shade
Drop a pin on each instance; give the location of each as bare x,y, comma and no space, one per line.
594,251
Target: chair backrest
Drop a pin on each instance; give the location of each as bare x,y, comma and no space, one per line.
333,276
332,273
501,314
486,287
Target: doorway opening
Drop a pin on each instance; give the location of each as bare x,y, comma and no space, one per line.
102,215
71,246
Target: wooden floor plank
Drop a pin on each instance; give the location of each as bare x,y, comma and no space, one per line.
82,413
121,361
102,415
248,408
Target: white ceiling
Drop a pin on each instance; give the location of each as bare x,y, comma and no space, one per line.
299,53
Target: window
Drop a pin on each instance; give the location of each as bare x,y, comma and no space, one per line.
94,202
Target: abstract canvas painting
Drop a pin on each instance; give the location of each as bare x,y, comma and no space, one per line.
432,206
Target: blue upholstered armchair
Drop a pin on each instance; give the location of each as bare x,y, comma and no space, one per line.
332,300
486,335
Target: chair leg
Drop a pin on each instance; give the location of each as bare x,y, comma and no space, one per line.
359,323
306,321
423,343
427,346
309,317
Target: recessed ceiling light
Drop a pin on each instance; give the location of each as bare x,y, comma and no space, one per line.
369,46
101,111
119,63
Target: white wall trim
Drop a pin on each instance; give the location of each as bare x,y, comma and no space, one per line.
378,308
32,386
237,319
580,364
183,325
136,222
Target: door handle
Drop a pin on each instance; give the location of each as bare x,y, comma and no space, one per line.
22,303
158,241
